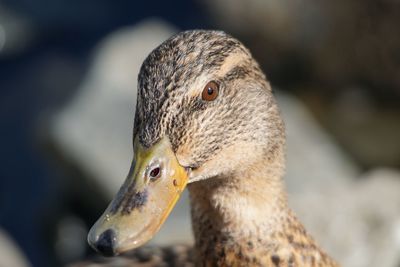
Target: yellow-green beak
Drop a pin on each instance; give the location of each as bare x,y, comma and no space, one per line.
144,201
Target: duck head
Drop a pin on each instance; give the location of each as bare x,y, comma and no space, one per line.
204,110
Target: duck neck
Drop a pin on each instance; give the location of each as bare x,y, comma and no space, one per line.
238,210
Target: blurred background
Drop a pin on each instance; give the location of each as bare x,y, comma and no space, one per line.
68,74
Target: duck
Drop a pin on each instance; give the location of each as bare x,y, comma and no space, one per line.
206,120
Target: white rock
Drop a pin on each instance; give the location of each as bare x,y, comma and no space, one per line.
359,224
10,254
95,128
314,161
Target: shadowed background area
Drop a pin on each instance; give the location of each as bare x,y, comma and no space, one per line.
68,74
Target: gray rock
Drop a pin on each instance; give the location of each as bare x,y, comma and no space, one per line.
314,161
358,224
10,253
95,129
16,33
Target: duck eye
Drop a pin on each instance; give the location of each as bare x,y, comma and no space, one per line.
210,91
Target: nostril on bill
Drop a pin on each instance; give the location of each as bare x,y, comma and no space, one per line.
106,243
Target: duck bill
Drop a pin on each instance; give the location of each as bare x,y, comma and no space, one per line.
153,186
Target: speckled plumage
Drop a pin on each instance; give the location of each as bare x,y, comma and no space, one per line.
233,145
149,256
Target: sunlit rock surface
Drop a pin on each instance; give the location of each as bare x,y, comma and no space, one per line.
95,128
356,220
10,254
314,161
358,224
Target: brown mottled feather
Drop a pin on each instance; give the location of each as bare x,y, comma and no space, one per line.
236,148
148,256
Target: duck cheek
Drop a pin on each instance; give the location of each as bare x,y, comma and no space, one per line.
184,155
